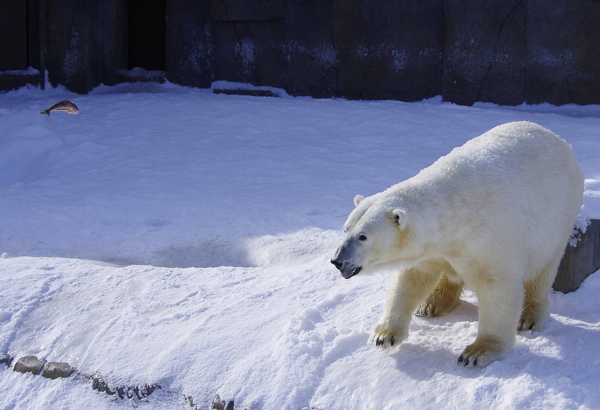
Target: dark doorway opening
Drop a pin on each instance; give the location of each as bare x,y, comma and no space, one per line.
13,35
146,34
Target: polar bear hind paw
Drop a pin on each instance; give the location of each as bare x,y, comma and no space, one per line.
431,310
533,322
443,300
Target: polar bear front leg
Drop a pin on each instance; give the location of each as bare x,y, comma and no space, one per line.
407,290
500,306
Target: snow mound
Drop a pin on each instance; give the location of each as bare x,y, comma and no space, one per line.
170,236
263,251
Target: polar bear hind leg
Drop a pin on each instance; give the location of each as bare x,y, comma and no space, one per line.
444,298
536,313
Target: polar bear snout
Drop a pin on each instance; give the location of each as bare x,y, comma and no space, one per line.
347,269
344,264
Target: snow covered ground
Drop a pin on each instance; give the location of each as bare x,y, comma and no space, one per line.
171,236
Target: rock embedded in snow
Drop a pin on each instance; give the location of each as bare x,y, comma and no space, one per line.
218,404
54,370
100,385
29,364
579,261
6,359
138,392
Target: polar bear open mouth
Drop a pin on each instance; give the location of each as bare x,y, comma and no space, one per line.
347,271
354,272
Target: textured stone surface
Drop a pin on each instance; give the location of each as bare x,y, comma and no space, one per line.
100,385
248,38
311,59
467,51
6,359
249,52
218,404
581,261
54,370
133,392
485,50
563,45
189,43
247,10
83,43
390,49
501,51
29,364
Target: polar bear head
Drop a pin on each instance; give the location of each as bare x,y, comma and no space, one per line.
379,234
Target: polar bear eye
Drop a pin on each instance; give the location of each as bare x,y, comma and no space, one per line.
362,238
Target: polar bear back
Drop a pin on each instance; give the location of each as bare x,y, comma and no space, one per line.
513,192
520,157
519,151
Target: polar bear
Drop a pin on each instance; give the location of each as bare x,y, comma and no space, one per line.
494,215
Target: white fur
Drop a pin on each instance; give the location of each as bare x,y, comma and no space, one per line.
494,214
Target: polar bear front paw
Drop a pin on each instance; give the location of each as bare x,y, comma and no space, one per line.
482,353
386,336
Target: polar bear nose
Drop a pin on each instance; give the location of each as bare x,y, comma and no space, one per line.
337,264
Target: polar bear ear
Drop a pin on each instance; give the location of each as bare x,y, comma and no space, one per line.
398,216
358,199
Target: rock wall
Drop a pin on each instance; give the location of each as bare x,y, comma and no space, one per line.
581,260
391,49
83,43
502,51
563,49
189,43
485,51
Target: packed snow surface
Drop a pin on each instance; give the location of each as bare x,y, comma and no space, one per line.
170,236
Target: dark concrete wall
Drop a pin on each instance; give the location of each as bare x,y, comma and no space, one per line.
502,51
84,42
189,43
485,51
13,35
563,51
390,49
